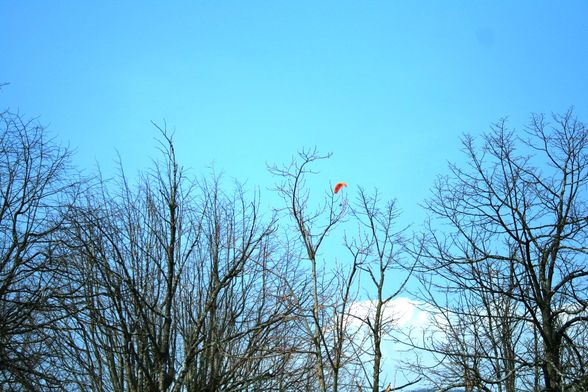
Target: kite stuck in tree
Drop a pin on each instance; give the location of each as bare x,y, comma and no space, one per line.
338,186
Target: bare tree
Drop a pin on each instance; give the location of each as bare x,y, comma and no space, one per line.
475,340
182,287
513,266
381,248
235,312
35,190
130,249
327,326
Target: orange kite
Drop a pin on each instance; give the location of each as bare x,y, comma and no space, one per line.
338,186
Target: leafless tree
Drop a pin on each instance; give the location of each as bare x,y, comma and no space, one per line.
36,188
512,268
236,313
332,291
344,342
475,340
182,287
380,247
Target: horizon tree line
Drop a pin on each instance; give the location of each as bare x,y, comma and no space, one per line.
172,282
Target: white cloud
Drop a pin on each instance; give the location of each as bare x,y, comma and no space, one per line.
402,317
400,312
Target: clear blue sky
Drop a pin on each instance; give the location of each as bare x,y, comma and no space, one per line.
388,87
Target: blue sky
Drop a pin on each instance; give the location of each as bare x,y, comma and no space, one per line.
387,87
